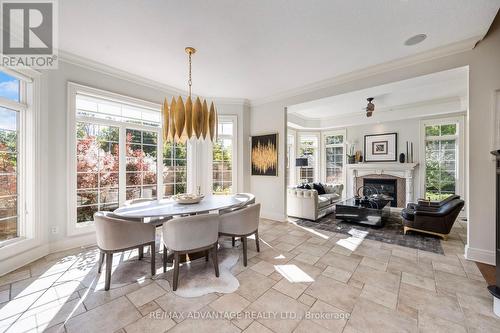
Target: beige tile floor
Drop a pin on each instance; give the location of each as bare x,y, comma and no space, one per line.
301,281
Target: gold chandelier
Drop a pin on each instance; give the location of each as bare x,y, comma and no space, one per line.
184,121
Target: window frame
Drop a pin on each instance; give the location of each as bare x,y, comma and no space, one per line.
31,228
291,151
74,89
324,146
317,154
460,143
234,153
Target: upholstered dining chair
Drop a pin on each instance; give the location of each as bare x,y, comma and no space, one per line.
247,199
184,235
117,235
242,223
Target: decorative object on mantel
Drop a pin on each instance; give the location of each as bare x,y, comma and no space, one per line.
495,289
409,152
351,156
401,158
381,147
265,155
184,121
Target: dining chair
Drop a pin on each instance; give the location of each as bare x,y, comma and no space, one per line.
117,235
190,234
242,223
248,199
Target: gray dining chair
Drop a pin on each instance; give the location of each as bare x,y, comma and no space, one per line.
117,235
190,234
242,223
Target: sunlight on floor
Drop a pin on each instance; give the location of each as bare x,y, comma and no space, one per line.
293,273
352,243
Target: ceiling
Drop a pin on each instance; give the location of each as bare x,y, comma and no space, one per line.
256,49
428,89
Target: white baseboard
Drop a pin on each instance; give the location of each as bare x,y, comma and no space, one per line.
273,216
12,263
480,255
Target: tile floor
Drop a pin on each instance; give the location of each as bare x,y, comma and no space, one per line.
301,281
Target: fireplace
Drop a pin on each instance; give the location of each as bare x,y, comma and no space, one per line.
384,186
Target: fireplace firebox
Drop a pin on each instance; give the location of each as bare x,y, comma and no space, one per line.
384,186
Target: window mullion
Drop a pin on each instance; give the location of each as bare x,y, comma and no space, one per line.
122,182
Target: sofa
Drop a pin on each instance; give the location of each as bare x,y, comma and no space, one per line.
307,204
435,218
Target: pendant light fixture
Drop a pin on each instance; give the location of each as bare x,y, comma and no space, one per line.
184,121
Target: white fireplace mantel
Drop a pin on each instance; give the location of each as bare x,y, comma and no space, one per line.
401,170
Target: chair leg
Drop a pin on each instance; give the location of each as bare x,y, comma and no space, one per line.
244,241
165,252
206,255
215,259
176,271
109,264
153,268
257,245
233,240
141,252
101,261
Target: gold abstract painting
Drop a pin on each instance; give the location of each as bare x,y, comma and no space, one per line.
265,155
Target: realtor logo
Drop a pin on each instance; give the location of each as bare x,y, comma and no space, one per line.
28,33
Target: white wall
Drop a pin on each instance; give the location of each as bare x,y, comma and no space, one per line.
484,80
54,148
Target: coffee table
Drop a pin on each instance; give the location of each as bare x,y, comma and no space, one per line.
371,213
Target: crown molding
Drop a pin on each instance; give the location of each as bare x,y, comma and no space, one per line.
76,60
440,52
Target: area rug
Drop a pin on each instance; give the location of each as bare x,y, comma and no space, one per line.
390,233
197,278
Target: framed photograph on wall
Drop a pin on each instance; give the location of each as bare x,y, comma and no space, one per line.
265,155
381,147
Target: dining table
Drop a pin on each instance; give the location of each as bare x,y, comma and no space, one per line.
161,210
164,208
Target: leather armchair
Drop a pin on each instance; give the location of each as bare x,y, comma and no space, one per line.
437,221
117,235
242,223
190,234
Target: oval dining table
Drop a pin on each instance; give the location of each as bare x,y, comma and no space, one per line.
165,208
169,207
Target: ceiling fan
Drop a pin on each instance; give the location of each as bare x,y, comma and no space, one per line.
370,107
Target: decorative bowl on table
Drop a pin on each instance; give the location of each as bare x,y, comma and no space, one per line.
187,198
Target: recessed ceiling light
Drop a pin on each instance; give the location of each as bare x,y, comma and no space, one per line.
415,39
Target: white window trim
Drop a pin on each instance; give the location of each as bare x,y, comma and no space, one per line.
234,152
73,90
460,121
293,156
32,228
323,145
317,155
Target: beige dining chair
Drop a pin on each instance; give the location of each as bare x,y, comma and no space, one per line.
247,199
117,235
190,234
242,223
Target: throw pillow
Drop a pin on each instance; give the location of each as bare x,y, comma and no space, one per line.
319,187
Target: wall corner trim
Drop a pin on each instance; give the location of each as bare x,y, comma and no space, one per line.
480,255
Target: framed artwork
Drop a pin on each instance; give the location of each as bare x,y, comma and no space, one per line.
381,147
265,155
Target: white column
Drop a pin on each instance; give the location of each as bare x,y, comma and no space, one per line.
409,186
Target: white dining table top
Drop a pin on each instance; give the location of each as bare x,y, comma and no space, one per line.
168,207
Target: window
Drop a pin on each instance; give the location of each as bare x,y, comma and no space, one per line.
118,154
141,153
290,159
9,131
97,155
175,168
441,160
14,112
334,158
308,148
222,157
